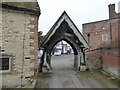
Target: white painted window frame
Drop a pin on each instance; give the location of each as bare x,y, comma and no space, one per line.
104,37
9,64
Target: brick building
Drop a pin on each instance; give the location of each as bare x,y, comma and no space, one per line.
103,37
18,41
99,32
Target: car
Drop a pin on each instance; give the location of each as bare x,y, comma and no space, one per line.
57,52
40,52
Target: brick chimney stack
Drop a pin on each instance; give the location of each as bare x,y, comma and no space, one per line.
112,12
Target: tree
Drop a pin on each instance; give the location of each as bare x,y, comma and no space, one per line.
40,37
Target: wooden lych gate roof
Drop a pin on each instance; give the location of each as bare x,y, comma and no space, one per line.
74,31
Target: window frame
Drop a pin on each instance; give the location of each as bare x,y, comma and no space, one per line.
9,64
104,37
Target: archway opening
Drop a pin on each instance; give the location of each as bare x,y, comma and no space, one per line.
71,52
62,48
62,56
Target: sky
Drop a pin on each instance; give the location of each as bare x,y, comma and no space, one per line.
80,11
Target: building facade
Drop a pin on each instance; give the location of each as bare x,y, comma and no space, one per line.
18,42
100,32
103,38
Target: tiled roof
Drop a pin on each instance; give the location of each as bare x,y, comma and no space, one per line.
27,5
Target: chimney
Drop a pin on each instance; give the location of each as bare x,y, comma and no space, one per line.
111,11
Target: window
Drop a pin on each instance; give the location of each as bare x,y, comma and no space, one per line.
5,64
66,48
104,37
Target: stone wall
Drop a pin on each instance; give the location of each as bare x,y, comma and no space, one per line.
19,38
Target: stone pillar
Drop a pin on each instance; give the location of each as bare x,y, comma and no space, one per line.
41,62
45,59
79,59
48,60
75,61
82,61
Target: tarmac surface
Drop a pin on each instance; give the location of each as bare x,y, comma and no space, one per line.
64,76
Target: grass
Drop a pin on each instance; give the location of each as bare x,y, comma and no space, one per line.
102,77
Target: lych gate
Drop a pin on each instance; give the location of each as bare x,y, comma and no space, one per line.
64,29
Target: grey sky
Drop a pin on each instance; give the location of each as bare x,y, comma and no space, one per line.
80,11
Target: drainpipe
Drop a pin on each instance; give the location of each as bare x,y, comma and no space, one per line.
22,68
88,37
110,30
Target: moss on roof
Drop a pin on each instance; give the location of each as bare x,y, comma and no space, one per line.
28,5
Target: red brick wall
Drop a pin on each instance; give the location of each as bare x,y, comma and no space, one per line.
35,43
93,59
109,58
96,30
109,53
115,27
112,13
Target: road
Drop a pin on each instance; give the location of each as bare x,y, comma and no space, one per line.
63,76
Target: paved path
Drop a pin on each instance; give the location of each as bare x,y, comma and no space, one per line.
63,76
